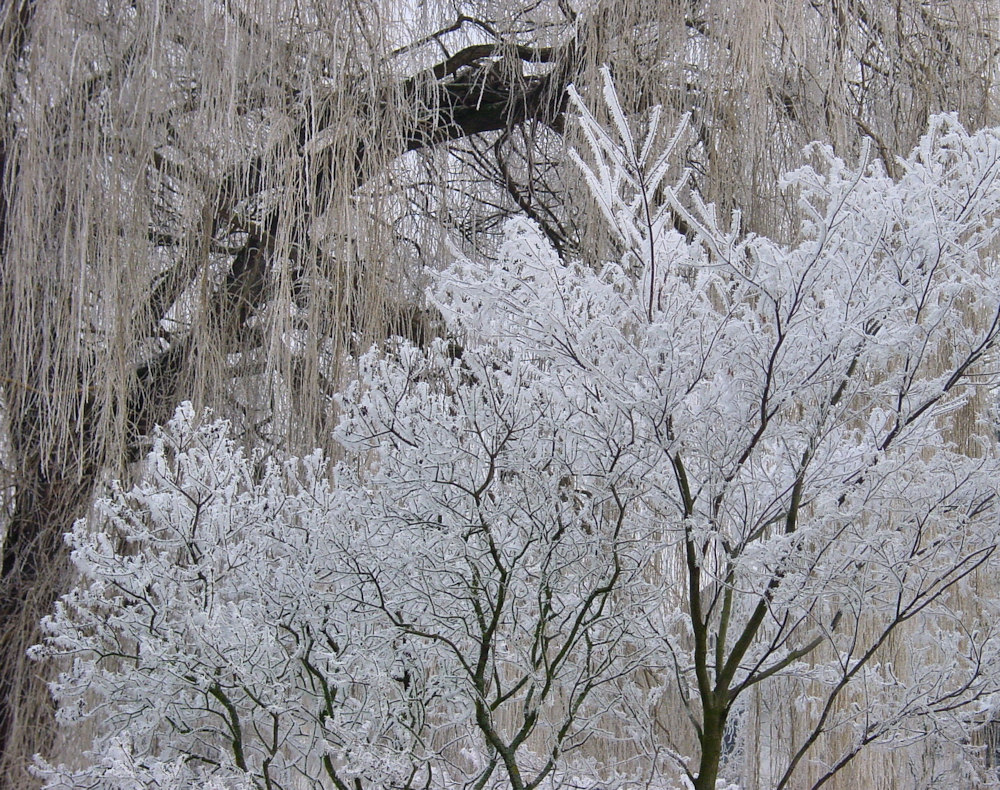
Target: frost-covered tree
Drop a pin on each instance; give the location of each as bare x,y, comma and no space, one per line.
231,638
212,200
454,607
620,518
821,469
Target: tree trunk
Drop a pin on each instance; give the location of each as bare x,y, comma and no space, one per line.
35,571
51,492
713,729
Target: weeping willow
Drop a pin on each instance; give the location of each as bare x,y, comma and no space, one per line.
220,200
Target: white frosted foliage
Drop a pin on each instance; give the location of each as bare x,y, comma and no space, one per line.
617,495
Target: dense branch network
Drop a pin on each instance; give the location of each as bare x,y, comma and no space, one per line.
156,247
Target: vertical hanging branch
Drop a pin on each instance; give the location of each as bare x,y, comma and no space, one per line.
27,584
15,21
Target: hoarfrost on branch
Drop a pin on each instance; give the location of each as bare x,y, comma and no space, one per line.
566,543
